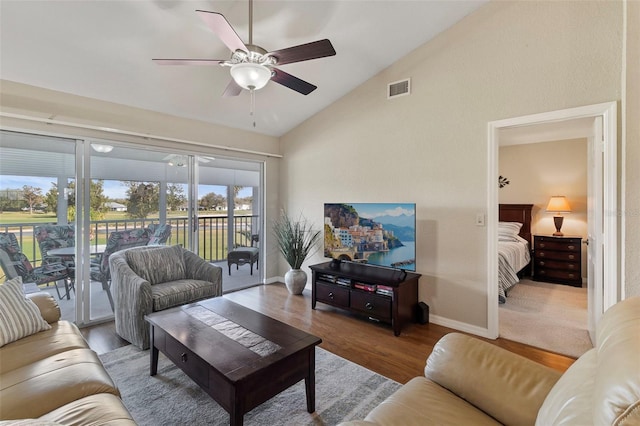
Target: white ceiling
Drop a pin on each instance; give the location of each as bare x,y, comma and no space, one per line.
102,49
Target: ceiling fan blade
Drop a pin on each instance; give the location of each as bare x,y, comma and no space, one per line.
303,52
188,61
232,89
293,83
223,29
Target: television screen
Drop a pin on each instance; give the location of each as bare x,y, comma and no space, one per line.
382,234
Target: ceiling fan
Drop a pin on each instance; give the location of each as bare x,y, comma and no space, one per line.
252,66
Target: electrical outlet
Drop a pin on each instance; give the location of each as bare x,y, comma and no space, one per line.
480,219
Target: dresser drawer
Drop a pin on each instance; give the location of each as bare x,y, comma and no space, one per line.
188,362
557,255
566,244
332,294
557,264
557,274
371,304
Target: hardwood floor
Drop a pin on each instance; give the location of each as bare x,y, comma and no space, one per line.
364,342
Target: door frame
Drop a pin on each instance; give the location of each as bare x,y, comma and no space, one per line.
609,261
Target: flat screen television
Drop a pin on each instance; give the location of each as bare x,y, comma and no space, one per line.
382,234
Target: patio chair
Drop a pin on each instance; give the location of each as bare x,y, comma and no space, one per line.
51,237
160,234
118,240
243,255
14,263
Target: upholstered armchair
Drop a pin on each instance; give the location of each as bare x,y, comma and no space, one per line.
154,278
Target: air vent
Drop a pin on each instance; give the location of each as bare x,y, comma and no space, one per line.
399,88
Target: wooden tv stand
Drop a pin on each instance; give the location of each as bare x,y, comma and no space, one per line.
382,294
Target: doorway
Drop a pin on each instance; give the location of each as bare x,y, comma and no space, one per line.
602,250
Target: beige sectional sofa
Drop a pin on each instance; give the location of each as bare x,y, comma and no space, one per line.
52,376
471,382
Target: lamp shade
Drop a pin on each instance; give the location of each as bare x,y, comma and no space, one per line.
250,76
558,203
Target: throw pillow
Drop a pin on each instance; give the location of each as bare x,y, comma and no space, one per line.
19,316
157,264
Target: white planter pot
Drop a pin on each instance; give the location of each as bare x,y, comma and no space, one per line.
296,280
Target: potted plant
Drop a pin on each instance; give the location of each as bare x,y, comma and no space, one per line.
296,240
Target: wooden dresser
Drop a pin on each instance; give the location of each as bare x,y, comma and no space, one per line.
557,259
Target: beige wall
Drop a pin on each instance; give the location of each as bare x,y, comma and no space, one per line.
538,171
631,152
506,60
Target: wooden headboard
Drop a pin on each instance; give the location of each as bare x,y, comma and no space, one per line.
518,213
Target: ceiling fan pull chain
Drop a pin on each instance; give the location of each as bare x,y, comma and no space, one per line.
253,106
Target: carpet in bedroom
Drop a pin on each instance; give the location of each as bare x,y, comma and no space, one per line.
547,316
344,391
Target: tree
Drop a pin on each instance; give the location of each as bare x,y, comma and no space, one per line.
175,196
97,200
212,201
143,199
32,196
51,198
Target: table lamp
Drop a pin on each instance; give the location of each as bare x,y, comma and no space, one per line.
558,204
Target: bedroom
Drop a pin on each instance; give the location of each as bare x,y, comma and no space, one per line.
550,315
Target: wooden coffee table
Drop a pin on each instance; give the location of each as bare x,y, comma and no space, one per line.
240,357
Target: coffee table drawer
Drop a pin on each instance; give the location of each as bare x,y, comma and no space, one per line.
188,362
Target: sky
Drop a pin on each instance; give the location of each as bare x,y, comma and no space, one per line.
112,189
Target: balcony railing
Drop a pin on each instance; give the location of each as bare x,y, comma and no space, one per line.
213,233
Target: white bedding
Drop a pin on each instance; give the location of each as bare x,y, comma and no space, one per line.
512,257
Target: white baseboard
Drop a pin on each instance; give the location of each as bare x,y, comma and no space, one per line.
460,326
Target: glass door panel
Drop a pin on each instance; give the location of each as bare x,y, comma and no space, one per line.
37,182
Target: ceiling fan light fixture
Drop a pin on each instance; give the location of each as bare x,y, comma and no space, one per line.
250,76
101,148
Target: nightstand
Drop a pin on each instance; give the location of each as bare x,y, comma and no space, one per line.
557,259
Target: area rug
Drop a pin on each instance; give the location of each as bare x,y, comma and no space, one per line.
344,391
547,316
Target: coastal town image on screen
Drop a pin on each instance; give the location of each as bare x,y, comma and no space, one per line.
381,234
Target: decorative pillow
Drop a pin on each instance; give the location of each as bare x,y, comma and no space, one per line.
157,264
508,231
19,316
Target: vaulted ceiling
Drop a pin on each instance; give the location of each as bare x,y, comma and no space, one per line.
103,49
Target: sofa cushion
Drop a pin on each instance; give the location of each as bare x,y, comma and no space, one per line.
52,382
99,409
157,264
571,398
176,293
423,402
617,386
19,316
63,336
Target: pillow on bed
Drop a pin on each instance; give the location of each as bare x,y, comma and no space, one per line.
508,231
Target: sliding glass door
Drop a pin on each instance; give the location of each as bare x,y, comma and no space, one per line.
103,187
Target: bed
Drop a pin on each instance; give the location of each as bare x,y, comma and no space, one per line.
514,246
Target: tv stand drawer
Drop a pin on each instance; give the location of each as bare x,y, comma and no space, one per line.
332,294
370,304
